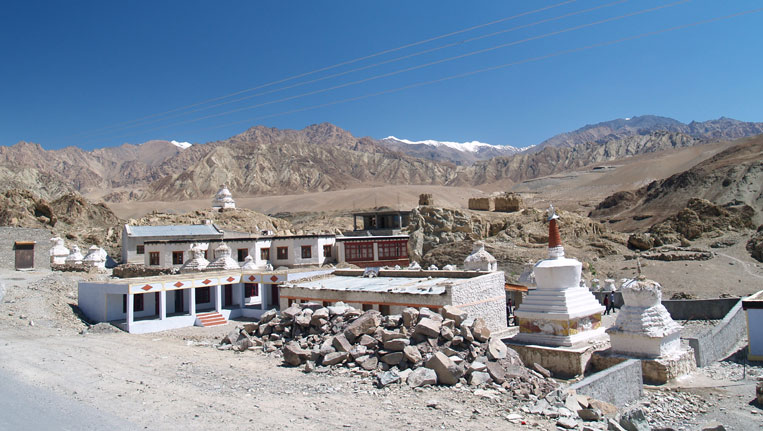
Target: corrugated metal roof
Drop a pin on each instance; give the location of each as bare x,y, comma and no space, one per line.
175,230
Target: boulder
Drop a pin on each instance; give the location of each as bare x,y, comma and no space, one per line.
397,344
456,314
410,317
426,313
479,378
387,378
303,320
243,342
567,423
367,362
446,333
334,358
294,355
291,312
341,344
358,351
309,366
268,316
412,355
391,335
422,376
640,241
393,358
251,328
366,323
480,330
590,415
634,420
541,370
713,426
428,328
368,341
447,371
393,320
496,349
320,316
476,366
496,371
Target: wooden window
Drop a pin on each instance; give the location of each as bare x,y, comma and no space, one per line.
140,249
392,249
242,254
137,303
251,290
282,253
202,295
327,250
264,254
358,251
153,258
307,252
177,257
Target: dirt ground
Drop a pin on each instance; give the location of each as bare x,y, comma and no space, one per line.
180,379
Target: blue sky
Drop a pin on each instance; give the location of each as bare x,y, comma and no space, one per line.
79,73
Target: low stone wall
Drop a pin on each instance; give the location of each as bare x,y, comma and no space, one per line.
618,385
563,362
482,204
699,309
718,343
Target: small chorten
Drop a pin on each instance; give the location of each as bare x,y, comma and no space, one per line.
223,261
223,199
196,262
559,312
96,257
249,263
58,252
75,256
644,327
480,259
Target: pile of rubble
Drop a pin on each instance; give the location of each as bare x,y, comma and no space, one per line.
417,347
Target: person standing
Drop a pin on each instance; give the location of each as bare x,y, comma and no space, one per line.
612,300
606,303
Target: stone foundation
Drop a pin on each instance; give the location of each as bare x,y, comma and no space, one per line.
657,371
563,362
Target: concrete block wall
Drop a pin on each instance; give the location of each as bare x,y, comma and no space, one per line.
719,343
699,309
484,297
618,385
9,235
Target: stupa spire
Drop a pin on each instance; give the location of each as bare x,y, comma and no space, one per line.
555,248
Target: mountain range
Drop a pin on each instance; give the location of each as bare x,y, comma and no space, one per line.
321,157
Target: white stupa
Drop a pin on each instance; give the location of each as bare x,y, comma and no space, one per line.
96,257
223,261
644,328
249,264
559,312
223,199
196,262
75,256
58,252
480,259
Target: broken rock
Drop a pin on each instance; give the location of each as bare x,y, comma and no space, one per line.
496,349
422,377
294,355
428,328
410,317
387,378
479,378
365,324
447,371
480,330
334,358
456,314
368,363
412,355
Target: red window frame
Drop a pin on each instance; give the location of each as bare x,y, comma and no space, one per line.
307,252
358,251
393,249
251,289
282,253
327,250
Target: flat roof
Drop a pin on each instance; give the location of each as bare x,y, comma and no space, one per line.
174,230
410,285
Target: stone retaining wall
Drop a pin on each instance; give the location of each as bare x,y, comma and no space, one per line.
699,309
718,343
618,385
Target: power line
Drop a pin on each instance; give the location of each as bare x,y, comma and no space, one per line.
421,66
396,59
492,68
334,66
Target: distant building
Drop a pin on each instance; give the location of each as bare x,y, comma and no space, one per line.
377,239
134,238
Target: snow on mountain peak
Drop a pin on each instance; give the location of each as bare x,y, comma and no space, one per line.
181,145
471,147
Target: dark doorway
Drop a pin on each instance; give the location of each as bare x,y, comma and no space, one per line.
179,303
273,295
157,300
228,296
24,254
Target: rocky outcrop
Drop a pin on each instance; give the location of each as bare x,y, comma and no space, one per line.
701,217
755,245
